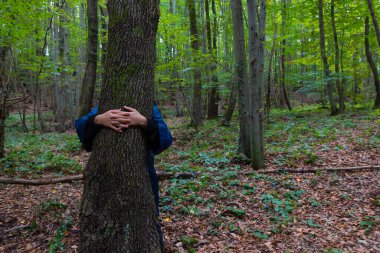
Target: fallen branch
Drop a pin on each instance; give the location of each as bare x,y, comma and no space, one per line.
161,176
314,170
166,175
21,227
15,100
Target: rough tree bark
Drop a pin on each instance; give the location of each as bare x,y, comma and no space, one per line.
197,117
117,212
89,80
256,26
326,69
241,75
372,64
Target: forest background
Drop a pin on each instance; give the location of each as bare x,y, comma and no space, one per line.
44,51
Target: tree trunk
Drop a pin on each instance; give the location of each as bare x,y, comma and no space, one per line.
260,78
213,95
355,63
89,80
174,73
326,70
3,97
241,75
372,64
269,76
374,20
117,212
282,66
338,80
197,117
82,58
256,61
230,104
61,106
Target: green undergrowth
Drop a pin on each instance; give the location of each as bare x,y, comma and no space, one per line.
297,135
35,153
292,138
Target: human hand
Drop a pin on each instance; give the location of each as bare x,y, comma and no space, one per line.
133,118
118,120
111,119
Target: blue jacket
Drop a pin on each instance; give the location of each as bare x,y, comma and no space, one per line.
157,130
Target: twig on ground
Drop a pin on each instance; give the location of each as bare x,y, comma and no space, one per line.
161,176
21,227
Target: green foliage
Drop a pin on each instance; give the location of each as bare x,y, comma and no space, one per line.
332,250
312,224
370,223
259,234
189,242
314,202
35,152
281,208
239,213
56,243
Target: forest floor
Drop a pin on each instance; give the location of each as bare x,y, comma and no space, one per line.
221,209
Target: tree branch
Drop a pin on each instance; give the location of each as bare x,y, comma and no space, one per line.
161,176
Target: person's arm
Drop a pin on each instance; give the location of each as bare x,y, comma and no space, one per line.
90,131
89,125
163,134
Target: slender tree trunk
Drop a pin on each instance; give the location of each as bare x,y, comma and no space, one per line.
57,78
269,76
283,48
342,71
338,80
213,95
231,104
372,64
61,114
197,89
256,26
117,212
355,62
38,88
89,80
326,70
178,100
3,97
261,79
374,20
241,75
82,58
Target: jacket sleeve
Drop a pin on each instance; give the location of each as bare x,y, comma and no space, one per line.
165,138
157,133
86,129
91,130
